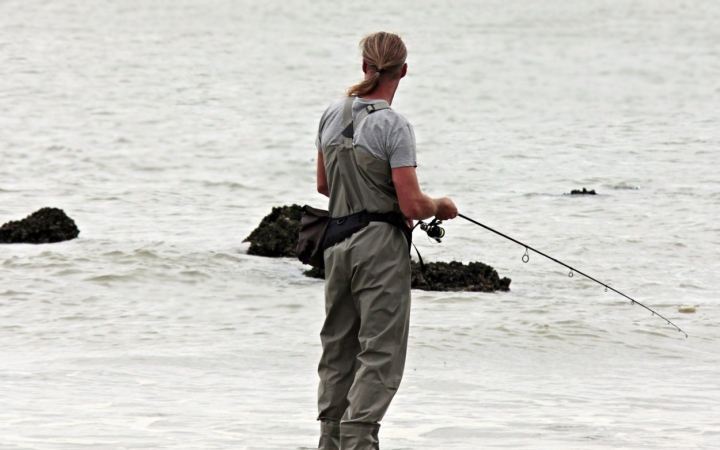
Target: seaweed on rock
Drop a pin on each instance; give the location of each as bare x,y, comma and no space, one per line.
44,226
456,276
583,192
277,234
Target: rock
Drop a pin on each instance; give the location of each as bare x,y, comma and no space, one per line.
456,276
452,276
315,273
583,192
44,226
277,234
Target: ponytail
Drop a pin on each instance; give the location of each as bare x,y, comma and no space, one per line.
385,54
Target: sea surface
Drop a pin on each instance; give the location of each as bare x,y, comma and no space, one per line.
168,129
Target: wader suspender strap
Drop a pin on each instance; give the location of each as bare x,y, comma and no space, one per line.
350,125
347,118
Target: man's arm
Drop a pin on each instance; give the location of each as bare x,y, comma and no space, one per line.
322,184
413,203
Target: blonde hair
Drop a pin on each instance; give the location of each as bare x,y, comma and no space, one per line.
384,53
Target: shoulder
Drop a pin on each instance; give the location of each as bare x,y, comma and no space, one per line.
389,117
334,107
333,110
394,116
336,104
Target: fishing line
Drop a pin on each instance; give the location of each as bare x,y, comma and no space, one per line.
526,258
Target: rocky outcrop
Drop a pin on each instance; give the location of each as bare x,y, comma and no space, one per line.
583,192
452,276
44,226
456,276
277,234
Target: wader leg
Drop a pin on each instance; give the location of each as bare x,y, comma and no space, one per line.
339,337
329,435
359,437
381,288
364,337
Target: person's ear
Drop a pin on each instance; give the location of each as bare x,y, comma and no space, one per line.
403,71
365,67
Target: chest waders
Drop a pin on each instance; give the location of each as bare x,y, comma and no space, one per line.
367,296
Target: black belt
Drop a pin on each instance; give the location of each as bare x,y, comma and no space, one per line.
341,228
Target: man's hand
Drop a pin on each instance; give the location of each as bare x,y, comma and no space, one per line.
446,209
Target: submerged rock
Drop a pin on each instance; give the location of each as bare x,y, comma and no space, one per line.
44,226
277,234
452,276
583,192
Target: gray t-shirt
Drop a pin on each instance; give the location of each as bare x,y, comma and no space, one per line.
384,134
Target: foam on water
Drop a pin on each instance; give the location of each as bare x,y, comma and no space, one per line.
167,130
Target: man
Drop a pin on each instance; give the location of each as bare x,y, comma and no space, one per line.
366,166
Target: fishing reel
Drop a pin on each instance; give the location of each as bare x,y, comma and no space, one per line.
433,229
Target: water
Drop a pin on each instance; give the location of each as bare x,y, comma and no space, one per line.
167,130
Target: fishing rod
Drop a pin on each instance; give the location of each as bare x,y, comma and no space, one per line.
434,231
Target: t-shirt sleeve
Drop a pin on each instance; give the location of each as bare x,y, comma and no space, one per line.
401,147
